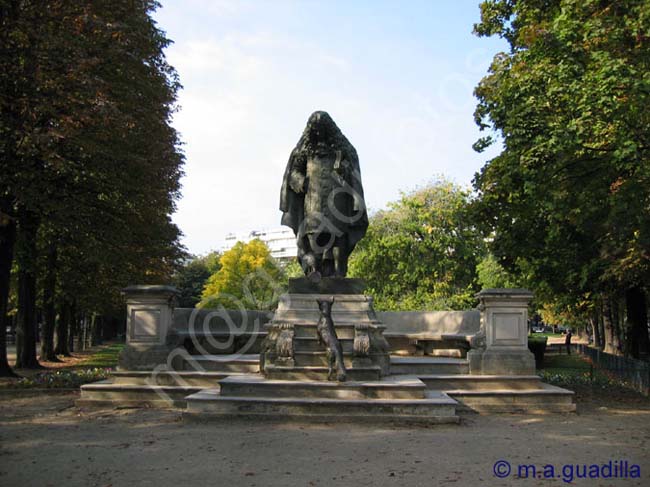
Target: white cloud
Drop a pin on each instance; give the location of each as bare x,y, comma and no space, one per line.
248,95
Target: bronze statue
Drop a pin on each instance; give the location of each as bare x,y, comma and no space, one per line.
322,198
327,336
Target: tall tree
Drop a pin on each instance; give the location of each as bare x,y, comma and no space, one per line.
191,278
422,252
87,148
248,278
567,200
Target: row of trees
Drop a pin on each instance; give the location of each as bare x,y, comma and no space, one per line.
89,162
567,202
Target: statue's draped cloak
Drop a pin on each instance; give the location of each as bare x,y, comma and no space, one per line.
292,203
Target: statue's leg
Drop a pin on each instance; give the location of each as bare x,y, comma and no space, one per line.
331,359
341,255
307,258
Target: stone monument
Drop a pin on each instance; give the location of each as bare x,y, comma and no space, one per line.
325,327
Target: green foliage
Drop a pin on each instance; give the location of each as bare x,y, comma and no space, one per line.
63,379
248,278
567,200
87,152
492,275
293,269
191,278
537,345
422,252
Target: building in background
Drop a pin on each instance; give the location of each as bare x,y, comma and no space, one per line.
281,242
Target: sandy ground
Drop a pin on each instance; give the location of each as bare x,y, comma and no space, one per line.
46,441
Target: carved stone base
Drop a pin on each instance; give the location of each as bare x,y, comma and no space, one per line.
501,362
292,346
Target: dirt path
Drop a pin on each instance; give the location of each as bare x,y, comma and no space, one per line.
46,441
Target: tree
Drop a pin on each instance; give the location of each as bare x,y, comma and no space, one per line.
566,201
87,98
248,277
491,274
422,252
191,278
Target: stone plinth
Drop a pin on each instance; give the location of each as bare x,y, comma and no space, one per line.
149,314
292,349
502,344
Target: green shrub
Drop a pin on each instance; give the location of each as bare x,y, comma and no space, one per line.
537,345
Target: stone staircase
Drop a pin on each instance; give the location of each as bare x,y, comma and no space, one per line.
230,383
403,399
427,379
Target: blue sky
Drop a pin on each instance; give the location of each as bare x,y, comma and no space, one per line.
397,77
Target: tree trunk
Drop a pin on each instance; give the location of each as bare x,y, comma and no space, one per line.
7,240
96,327
72,329
593,321
49,307
26,255
62,327
612,344
637,342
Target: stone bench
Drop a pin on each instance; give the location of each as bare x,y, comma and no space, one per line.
438,333
211,331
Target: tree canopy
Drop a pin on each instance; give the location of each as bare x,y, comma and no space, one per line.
567,201
248,278
90,163
422,252
190,278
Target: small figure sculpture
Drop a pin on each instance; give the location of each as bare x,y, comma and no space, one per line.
327,336
322,198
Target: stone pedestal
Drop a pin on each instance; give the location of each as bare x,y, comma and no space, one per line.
292,349
149,317
501,347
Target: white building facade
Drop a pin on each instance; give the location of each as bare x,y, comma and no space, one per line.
281,241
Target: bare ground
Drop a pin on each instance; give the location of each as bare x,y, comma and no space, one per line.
46,441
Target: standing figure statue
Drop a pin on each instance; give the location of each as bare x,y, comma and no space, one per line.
327,336
322,198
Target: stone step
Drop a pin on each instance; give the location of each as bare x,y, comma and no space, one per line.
546,399
442,382
168,378
234,363
367,373
210,404
320,358
344,331
106,393
427,365
313,344
220,343
402,387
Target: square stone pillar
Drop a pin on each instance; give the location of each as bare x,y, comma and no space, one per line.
149,316
503,347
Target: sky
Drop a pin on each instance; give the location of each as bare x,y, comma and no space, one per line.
396,76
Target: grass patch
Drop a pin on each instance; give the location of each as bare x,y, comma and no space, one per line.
574,370
105,357
82,368
547,335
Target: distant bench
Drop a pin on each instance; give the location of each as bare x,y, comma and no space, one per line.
430,332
